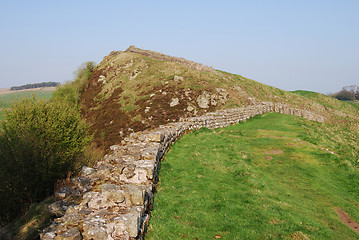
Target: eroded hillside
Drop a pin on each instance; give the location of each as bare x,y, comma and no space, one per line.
137,89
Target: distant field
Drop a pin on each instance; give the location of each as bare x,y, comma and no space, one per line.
264,179
8,97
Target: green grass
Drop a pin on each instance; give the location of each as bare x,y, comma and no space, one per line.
7,99
262,179
305,93
327,102
354,103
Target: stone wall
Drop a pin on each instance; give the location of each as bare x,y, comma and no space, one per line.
113,199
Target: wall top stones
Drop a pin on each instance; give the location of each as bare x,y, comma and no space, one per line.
113,199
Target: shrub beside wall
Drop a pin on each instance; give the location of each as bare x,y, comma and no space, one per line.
40,142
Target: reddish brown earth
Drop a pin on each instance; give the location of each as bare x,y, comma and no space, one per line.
345,218
107,119
110,123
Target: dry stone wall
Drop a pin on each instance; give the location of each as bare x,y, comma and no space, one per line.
113,199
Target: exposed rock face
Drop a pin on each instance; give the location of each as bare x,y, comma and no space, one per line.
174,102
204,100
113,199
190,108
222,95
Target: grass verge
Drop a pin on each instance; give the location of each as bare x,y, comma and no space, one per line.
260,180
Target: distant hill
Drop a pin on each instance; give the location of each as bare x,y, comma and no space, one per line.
136,89
35,85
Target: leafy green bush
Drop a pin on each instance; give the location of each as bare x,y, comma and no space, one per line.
40,141
71,91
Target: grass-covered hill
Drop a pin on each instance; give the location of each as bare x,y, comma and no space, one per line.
137,89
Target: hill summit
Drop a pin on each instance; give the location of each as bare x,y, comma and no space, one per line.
136,89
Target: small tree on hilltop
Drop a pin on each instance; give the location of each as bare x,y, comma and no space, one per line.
347,93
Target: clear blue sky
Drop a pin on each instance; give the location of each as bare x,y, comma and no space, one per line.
307,44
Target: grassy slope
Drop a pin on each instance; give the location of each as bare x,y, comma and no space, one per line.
264,179
328,102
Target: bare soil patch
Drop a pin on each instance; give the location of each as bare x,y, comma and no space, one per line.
4,90
274,152
44,89
345,218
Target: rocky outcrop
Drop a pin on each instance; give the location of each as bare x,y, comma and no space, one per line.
205,99
113,199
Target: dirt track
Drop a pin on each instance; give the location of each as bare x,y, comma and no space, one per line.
346,219
7,90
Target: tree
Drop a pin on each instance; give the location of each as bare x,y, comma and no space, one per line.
345,95
35,85
348,93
